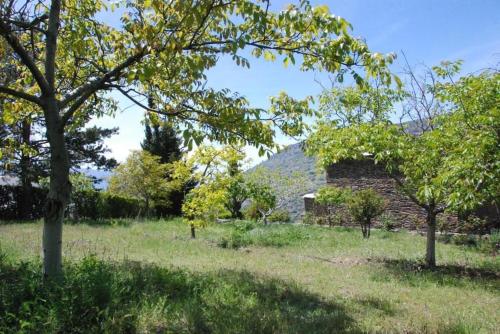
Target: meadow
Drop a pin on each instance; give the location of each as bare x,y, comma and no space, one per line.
151,277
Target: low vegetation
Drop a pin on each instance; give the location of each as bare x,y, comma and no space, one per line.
151,277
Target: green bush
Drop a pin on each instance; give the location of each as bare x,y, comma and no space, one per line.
388,221
491,243
464,240
475,225
251,212
280,216
115,206
332,196
309,218
86,204
365,205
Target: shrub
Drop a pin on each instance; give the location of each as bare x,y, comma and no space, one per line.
116,206
491,243
238,236
10,198
464,239
251,212
332,198
443,225
236,239
387,221
309,219
280,216
364,205
86,204
246,234
473,224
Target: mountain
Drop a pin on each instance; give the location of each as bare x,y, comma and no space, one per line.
290,160
101,176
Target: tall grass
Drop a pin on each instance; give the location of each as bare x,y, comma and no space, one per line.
150,277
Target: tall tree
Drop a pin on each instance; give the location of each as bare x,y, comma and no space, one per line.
27,153
69,57
161,139
431,158
142,176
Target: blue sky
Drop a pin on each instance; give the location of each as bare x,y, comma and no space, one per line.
427,31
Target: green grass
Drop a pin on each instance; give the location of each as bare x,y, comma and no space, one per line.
151,277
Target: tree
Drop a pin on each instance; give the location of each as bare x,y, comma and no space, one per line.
271,189
220,191
471,135
422,156
332,198
364,206
205,203
27,154
161,139
144,177
68,57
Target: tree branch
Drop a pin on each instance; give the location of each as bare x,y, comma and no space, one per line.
51,43
21,95
142,105
94,85
29,25
26,59
407,193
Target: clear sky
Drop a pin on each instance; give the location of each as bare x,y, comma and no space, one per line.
428,31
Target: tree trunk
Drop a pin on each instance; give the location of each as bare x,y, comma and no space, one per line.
193,232
430,256
58,196
26,200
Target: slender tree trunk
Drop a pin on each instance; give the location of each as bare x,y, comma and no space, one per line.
26,200
59,193
193,232
430,256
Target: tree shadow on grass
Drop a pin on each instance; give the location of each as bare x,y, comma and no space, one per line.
376,304
129,297
415,273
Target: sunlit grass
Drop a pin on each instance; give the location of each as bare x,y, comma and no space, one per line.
379,284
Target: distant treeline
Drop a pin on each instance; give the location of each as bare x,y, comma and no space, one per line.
90,204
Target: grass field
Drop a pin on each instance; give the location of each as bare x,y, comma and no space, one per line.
283,279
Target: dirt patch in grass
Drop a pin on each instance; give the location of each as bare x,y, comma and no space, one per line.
345,261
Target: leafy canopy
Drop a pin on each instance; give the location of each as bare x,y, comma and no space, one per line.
449,162
218,183
142,176
163,49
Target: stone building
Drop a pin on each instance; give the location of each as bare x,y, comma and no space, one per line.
364,174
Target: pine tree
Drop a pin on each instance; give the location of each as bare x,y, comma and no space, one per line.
161,139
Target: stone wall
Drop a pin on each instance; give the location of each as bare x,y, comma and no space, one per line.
358,175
